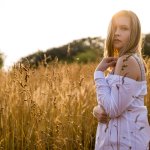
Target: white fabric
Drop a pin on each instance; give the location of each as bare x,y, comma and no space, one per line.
123,99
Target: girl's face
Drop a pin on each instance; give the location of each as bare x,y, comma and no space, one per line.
122,32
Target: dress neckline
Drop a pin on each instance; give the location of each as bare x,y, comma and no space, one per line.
129,79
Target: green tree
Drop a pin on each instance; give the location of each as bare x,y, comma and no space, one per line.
1,60
147,45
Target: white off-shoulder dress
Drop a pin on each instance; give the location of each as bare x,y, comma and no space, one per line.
123,99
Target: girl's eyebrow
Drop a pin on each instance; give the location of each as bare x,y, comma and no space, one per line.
124,25
121,26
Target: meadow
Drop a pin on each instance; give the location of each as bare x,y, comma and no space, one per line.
49,108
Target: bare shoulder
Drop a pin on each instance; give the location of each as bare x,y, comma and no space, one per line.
127,66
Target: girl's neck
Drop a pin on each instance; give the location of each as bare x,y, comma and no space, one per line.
131,52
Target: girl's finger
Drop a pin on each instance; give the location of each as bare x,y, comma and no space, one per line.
113,63
110,59
102,120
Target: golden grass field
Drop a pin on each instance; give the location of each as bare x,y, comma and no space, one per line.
49,108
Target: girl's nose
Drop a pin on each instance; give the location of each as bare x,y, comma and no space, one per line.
117,32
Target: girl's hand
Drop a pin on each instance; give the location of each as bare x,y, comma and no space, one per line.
106,63
100,114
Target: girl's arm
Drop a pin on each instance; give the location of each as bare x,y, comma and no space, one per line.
116,97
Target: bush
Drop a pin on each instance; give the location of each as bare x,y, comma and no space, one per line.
88,56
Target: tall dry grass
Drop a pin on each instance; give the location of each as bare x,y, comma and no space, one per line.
49,108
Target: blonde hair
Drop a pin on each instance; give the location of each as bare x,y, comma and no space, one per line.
135,42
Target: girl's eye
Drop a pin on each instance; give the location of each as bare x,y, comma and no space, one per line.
124,28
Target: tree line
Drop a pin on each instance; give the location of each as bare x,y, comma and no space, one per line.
82,51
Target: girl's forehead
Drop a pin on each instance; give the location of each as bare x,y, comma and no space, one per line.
121,20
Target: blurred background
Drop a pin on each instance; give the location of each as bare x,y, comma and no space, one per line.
31,27
49,50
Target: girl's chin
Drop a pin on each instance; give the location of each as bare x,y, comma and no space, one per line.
117,47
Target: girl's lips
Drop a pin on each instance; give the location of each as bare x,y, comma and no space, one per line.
117,40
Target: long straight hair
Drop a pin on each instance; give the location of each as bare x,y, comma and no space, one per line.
135,43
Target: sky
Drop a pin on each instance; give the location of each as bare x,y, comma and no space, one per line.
27,26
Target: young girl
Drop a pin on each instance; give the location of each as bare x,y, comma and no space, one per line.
122,116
